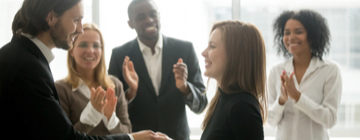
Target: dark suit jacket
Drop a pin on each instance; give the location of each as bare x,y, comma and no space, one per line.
165,112
29,103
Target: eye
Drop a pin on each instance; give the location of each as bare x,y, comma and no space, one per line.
96,45
83,45
299,32
211,46
286,33
153,14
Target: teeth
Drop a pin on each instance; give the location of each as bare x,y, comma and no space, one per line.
293,44
151,28
89,58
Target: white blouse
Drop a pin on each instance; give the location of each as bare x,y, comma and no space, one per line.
316,110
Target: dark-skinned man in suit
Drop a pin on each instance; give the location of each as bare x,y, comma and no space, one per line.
162,77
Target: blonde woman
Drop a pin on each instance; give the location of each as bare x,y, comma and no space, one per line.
81,93
235,58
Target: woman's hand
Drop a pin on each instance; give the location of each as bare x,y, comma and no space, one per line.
111,104
290,88
284,95
97,99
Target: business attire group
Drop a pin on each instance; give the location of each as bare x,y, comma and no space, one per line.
303,101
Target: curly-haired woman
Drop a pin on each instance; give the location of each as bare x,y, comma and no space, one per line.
305,90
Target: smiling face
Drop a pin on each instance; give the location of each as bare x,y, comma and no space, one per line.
87,51
215,56
67,27
295,38
144,17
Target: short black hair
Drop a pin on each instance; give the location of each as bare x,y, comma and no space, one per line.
31,17
132,3
318,33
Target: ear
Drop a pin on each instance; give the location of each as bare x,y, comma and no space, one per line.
130,25
51,18
71,52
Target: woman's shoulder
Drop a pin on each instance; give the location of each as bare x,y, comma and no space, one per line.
244,98
331,63
61,83
280,66
114,79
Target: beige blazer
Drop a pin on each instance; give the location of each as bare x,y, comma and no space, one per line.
73,103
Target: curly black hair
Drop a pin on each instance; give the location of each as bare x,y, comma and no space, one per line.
318,33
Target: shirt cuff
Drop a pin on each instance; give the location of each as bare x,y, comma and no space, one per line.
302,103
277,108
112,123
90,115
129,101
131,137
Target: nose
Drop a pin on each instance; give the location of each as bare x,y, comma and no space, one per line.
79,28
149,19
291,36
90,48
204,53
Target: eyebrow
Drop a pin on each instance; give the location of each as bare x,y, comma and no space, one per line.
295,29
212,42
80,16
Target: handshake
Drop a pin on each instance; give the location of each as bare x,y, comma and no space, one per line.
149,135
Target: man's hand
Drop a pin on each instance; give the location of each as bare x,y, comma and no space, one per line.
161,136
130,77
143,135
181,75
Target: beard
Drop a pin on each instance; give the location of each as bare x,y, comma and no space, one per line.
61,40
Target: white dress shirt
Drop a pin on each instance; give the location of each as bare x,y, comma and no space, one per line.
46,51
153,62
90,115
316,110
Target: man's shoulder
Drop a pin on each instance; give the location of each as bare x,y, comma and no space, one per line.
127,46
176,41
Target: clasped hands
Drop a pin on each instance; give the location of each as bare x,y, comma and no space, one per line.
150,135
288,88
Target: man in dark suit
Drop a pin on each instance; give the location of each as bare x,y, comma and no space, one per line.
29,103
167,75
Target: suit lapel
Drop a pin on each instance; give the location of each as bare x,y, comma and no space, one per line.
167,63
140,66
32,48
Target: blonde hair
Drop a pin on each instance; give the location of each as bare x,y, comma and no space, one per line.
100,70
246,65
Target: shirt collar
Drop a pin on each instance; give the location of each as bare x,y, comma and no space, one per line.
83,88
159,44
43,48
315,63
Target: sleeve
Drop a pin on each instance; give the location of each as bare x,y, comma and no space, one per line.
275,111
65,102
198,100
326,112
246,122
34,94
123,124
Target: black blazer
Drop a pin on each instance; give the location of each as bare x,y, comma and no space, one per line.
165,112
29,103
